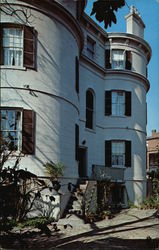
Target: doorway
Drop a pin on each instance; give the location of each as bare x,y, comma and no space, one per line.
82,169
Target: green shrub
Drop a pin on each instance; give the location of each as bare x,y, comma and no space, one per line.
54,169
36,222
7,225
151,202
131,204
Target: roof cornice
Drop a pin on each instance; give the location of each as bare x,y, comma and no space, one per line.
111,72
136,39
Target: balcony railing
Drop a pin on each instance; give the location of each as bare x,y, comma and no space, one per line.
102,173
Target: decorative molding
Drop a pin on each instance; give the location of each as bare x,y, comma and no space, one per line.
106,72
45,93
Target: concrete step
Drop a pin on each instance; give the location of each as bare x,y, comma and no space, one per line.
83,187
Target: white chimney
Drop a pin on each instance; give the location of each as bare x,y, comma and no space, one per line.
134,23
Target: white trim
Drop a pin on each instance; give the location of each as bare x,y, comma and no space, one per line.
13,67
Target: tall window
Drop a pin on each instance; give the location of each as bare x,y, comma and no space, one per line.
13,46
154,160
118,103
89,109
17,45
17,129
118,153
90,48
11,128
118,59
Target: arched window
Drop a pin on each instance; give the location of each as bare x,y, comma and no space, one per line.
89,109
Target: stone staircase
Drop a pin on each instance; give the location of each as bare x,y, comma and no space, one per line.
83,199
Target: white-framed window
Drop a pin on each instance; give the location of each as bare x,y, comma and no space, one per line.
11,128
90,48
118,153
13,46
118,59
18,46
118,103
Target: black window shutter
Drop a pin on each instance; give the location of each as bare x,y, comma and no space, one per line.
127,103
128,62
128,153
108,102
77,74
108,154
146,113
78,9
1,45
107,59
76,142
146,72
28,132
89,109
29,47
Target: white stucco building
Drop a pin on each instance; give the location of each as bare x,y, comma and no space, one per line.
72,93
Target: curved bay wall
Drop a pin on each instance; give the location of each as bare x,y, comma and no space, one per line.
53,82
131,128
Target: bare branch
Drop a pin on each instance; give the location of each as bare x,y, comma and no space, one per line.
22,14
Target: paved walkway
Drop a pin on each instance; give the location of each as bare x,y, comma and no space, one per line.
130,229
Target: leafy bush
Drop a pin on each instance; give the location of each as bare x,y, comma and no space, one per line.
8,225
93,217
151,202
54,169
131,204
36,222
18,190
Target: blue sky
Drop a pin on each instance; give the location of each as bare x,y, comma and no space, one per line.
149,11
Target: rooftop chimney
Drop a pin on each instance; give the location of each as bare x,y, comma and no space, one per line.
154,132
134,23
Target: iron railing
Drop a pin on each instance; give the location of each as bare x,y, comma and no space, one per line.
107,173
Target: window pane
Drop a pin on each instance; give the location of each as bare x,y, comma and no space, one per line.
90,48
118,103
3,114
118,153
13,46
89,99
17,123
118,59
11,120
11,128
90,45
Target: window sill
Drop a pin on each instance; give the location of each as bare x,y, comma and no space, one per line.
118,116
13,67
15,154
90,130
119,166
123,69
